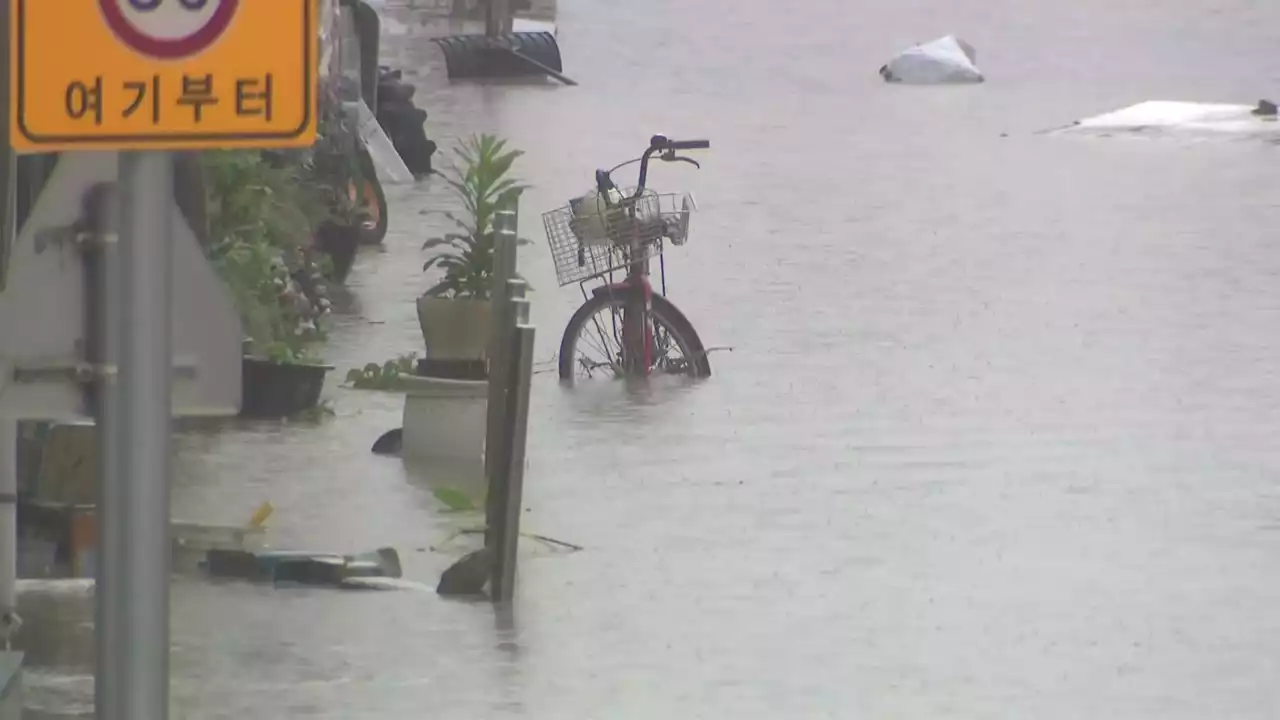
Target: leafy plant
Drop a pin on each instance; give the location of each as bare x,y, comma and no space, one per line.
283,353
481,180
323,410
456,500
260,236
334,166
382,377
264,210
252,198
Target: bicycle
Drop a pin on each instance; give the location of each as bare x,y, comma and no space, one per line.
639,331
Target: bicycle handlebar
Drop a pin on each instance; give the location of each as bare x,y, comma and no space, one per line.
659,143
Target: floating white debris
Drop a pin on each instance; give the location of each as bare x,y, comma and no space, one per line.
1185,118
943,61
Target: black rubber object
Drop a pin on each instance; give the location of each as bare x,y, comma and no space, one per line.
478,56
390,93
689,144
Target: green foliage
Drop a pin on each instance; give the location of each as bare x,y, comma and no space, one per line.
323,410
335,170
456,500
382,377
481,181
284,353
264,209
260,233
252,199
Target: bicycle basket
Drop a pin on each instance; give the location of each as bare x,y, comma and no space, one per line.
589,239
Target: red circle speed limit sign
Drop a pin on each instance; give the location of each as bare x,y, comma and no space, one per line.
169,29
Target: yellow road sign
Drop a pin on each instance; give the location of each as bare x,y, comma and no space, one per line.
162,74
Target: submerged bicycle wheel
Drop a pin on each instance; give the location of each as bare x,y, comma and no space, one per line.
592,346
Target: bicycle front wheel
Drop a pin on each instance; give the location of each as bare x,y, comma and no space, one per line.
592,346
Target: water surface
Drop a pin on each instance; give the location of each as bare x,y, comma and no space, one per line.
996,437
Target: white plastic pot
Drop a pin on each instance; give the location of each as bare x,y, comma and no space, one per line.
444,419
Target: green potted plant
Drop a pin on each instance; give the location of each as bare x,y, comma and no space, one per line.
260,236
454,313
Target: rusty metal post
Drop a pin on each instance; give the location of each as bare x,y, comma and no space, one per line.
509,499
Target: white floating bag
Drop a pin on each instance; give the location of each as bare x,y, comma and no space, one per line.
1185,118
943,61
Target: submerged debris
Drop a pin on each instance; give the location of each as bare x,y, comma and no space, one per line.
389,443
947,60
468,576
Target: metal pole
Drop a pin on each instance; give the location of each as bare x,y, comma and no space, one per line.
511,498
496,449
8,526
8,427
504,251
104,334
501,292
138,664
8,159
497,18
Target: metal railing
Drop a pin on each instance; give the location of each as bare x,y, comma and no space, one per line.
510,377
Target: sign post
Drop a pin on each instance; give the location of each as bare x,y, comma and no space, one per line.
147,77
136,487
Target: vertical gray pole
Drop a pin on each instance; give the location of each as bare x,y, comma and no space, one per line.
504,270
8,159
140,479
511,496
111,585
8,524
497,19
504,251
8,427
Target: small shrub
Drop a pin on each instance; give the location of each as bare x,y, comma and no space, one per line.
382,377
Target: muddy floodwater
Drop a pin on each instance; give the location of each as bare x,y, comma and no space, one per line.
997,437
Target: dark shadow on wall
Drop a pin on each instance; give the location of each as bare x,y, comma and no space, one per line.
188,188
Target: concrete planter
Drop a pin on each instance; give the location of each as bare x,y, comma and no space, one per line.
455,329
444,419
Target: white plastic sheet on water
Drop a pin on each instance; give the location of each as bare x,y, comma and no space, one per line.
943,61
1181,118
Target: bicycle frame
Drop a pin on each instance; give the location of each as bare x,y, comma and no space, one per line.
637,331
637,325
637,285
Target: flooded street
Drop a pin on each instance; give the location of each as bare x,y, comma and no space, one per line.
996,438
